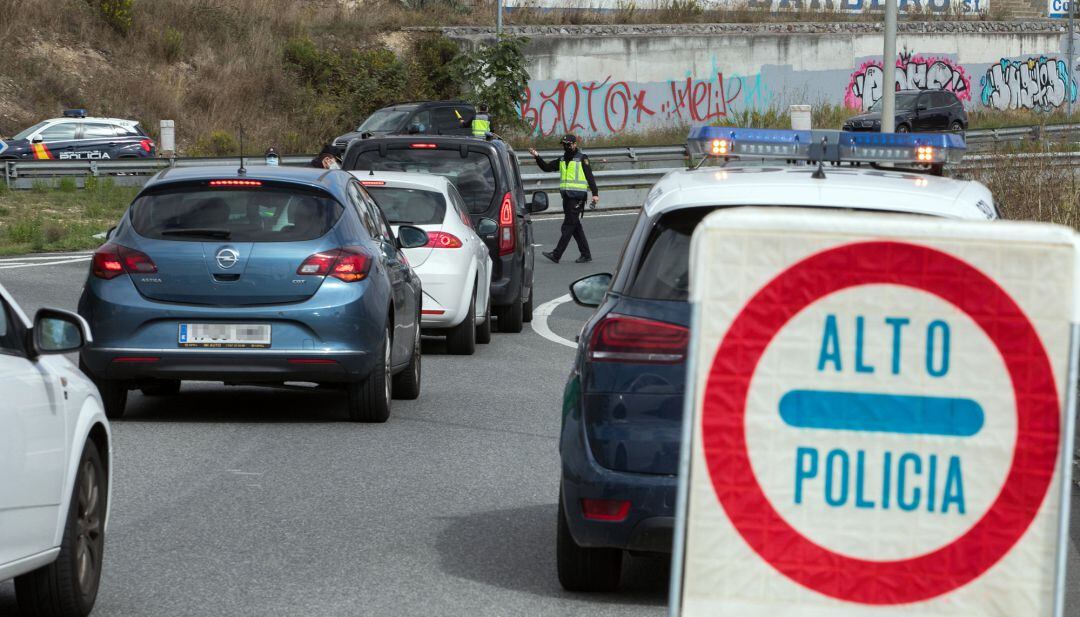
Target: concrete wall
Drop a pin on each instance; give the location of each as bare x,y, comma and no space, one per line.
602,80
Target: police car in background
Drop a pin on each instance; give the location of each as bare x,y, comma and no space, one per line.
77,137
623,405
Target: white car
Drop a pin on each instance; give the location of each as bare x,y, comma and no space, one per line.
55,462
455,265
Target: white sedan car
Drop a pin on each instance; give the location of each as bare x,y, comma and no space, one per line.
55,461
454,266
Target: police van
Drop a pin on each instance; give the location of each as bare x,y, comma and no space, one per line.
623,405
78,137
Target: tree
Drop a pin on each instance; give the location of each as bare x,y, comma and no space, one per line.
497,77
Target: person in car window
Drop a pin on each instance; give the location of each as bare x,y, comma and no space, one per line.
575,181
327,158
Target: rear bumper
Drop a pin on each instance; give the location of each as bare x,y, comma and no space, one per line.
506,281
246,366
448,290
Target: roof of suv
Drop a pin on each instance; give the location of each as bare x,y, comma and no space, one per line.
441,140
858,188
403,179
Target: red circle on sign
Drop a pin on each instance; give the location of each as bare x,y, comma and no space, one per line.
1037,407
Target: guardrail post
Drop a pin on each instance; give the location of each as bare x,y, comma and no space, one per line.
93,169
7,174
633,155
1036,132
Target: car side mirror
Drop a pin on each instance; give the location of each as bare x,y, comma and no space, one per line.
590,290
539,202
57,331
409,237
36,139
486,228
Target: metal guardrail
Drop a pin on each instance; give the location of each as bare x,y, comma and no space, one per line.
134,172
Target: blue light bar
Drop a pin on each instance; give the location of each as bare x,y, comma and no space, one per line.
74,113
833,146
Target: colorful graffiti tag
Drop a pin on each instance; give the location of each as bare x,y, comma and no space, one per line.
1039,84
913,72
611,106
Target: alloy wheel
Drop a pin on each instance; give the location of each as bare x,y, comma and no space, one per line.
89,538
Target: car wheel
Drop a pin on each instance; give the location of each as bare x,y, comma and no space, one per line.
407,383
527,308
162,387
369,400
581,568
483,331
461,339
113,393
511,317
903,128
69,585
956,126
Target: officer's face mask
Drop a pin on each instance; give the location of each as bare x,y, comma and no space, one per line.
568,147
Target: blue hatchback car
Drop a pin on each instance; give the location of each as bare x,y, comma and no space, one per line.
259,276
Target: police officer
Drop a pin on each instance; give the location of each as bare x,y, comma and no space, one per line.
481,122
575,181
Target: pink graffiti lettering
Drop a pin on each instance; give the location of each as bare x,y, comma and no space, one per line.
913,72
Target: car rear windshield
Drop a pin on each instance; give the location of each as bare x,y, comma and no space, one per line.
410,206
198,213
384,120
663,272
473,174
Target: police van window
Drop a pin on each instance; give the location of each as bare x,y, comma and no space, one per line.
129,130
473,175
423,119
444,119
59,132
941,99
664,269
98,131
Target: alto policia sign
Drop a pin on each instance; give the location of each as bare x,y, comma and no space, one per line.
879,420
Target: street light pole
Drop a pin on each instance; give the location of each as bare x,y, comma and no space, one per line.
888,69
498,17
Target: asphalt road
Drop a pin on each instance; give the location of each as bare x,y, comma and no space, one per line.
248,501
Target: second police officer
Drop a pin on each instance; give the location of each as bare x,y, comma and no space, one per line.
575,181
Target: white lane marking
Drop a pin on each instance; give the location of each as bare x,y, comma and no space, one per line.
47,256
58,262
540,319
588,215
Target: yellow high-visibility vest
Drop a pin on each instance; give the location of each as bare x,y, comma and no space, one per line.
572,174
481,125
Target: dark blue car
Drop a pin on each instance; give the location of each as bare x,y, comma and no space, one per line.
77,137
259,276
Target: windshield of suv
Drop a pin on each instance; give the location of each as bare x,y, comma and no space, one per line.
25,133
411,206
197,213
472,175
384,120
664,270
903,101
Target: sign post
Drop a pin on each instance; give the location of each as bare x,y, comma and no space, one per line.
881,417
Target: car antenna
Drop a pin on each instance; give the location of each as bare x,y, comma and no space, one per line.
819,173
241,171
371,173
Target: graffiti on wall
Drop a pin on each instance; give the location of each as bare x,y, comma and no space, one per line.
613,106
950,7
1040,84
913,72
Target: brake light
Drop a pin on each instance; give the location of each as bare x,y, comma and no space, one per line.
349,264
112,260
442,240
372,183
423,146
235,183
613,510
146,144
621,338
507,232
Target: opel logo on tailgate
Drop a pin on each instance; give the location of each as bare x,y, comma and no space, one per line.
227,257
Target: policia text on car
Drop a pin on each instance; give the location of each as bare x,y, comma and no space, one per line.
575,181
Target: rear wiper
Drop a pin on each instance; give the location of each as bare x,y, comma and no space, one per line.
222,234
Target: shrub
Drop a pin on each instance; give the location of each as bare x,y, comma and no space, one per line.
433,59
67,185
172,44
116,13
315,66
217,143
52,232
25,231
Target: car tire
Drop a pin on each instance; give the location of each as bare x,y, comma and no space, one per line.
483,331
956,126
406,384
369,400
69,585
113,393
581,568
527,308
461,339
903,128
161,387
511,317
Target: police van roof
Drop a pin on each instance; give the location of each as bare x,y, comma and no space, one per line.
847,187
122,121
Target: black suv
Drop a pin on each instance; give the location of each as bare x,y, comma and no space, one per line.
917,111
486,173
76,137
424,118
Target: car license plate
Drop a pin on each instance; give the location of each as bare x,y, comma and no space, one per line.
225,335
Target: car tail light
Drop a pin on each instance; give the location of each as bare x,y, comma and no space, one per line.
349,264
373,182
620,338
443,240
246,183
112,260
507,232
146,144
613,510
423,146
